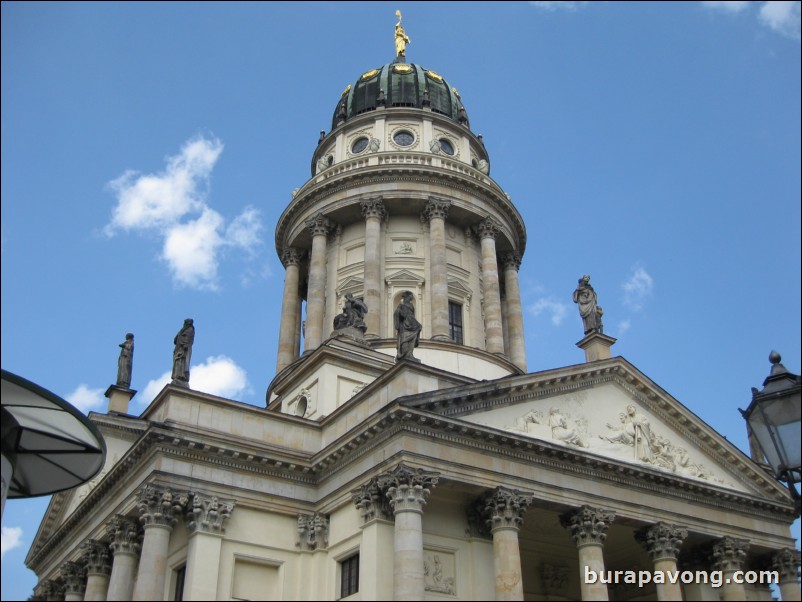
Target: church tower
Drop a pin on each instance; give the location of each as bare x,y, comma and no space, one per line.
401,199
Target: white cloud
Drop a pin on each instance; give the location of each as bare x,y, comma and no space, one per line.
623,326
548,305
173,203
86,399
782,17
729,7
11,538
638,288
218,375
559,5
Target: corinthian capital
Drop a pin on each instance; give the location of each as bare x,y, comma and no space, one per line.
729,553
588,525
504,508
291,256
206,513
436,207
662,540
319,225
488,228
74,575
160,506
313,531
124,533
511,259
408,488
786,563
96,557
371,501
373,208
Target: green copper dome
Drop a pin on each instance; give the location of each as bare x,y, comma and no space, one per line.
399,85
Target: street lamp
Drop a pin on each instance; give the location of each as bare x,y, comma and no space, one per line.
774,418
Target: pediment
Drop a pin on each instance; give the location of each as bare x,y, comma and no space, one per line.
404,278
458,288
608,410
351,285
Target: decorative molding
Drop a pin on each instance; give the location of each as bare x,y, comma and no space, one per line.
371,502
661,540
373,207
435,208
503,508
207,513
313,532
488,228
588,525
553,579
407,488
439,573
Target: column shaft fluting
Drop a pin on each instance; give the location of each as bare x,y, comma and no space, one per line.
373,211
289,307
319,227
515,316
494,334
436,211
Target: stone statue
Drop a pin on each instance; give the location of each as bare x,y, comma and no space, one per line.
401,38
353,315
125,363
407,327
585,296
183,353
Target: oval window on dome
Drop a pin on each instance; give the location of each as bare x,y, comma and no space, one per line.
404,138
446,146
359,145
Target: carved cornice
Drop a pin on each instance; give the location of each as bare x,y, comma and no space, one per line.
96,557
313,531
373,207
74,575
661,540
436,208
407,488
319,225
207,513
159,506
292,256
786,563
588,525
488,228
124,534
729,553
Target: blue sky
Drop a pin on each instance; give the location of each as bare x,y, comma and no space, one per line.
149,148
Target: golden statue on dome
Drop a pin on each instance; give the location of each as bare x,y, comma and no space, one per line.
401,39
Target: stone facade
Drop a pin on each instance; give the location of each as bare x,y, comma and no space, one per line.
460,477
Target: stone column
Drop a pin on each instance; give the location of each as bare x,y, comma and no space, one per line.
159,509
74,575
786,563
291,258
588,526
205,517
494,335
373,211
662,542
729,555
98,569
407,489
436,212
52,591
319,226
515,315
503,511
124,533
377,541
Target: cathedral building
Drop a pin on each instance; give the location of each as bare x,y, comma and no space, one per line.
404,451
